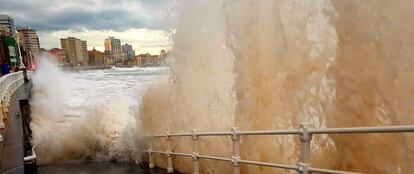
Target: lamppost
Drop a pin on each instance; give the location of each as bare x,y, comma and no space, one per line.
21,66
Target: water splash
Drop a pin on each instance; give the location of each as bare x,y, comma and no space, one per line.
107,131
274,64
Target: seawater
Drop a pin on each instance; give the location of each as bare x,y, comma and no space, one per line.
88,115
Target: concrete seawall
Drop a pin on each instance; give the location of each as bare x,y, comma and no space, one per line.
12,146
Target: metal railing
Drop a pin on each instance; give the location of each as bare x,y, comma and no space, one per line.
8,86
304,134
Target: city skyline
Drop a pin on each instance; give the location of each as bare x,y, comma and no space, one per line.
73,52
147,41
134,22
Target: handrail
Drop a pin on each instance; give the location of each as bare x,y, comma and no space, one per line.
344,130
8,85
304,133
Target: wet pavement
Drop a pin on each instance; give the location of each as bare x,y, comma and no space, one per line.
95,167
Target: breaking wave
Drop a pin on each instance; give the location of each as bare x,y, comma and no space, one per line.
274,64
89,115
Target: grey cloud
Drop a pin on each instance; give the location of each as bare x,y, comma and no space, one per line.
84,14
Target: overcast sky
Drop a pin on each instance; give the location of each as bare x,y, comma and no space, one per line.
141,23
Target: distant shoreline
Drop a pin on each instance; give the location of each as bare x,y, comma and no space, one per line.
87,68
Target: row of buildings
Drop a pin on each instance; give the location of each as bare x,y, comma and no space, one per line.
18,46
74,52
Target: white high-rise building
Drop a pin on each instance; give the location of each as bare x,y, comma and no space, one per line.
7,24
113,48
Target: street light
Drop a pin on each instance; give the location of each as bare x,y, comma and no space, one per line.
21,66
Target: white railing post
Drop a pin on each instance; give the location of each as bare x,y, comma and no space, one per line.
169,150
196,168
150,155
305,142
235,150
